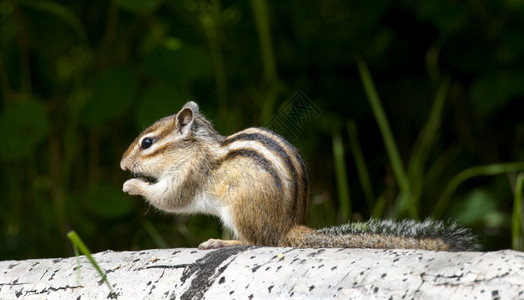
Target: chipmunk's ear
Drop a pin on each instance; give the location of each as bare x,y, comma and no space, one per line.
192,105
185,117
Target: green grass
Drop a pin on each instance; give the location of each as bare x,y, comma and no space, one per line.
360,165
517,241
341,176
78,244
159,241
382,121
415,176
270,85
485,170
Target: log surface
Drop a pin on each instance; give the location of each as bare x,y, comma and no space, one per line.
270,273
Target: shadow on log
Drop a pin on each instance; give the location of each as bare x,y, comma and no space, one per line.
263,272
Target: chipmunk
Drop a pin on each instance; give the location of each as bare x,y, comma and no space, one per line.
255,182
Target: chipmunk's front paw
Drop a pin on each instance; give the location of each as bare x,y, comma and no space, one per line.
216,244
134,187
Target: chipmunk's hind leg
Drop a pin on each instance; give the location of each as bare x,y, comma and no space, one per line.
216,244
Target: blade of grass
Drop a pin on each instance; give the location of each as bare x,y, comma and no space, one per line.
77,242
441,164
378,210
61,12
360,163
518,216
210,20
432,65
427,135
385,129
404,203
78,264
262,21
341,176
153,233
422,146
485,170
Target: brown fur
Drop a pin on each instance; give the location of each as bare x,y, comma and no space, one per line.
242,178
254,181
304,238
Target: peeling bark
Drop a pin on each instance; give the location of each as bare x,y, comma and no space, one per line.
262,272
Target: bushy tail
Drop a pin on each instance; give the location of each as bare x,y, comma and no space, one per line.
388,234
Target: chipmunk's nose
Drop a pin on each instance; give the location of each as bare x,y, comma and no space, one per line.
123,165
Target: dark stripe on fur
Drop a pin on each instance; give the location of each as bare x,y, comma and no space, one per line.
149,132
259,159
182,143
303,170
274,147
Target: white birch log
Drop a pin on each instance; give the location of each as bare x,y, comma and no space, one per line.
271,273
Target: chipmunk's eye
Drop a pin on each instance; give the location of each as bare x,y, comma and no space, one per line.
146,143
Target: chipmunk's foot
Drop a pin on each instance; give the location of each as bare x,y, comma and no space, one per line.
216,244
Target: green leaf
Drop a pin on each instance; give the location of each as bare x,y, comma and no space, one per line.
483,170
138,5
447,17
108,201
59,11
491,91
158,102
477,205
514,3
181,65
113,94
23,126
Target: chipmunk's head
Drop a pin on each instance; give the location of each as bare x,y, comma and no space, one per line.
164,146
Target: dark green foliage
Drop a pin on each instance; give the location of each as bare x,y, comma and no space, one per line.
23,127
80,79
113,94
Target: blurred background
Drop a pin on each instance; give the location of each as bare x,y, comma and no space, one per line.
81,79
